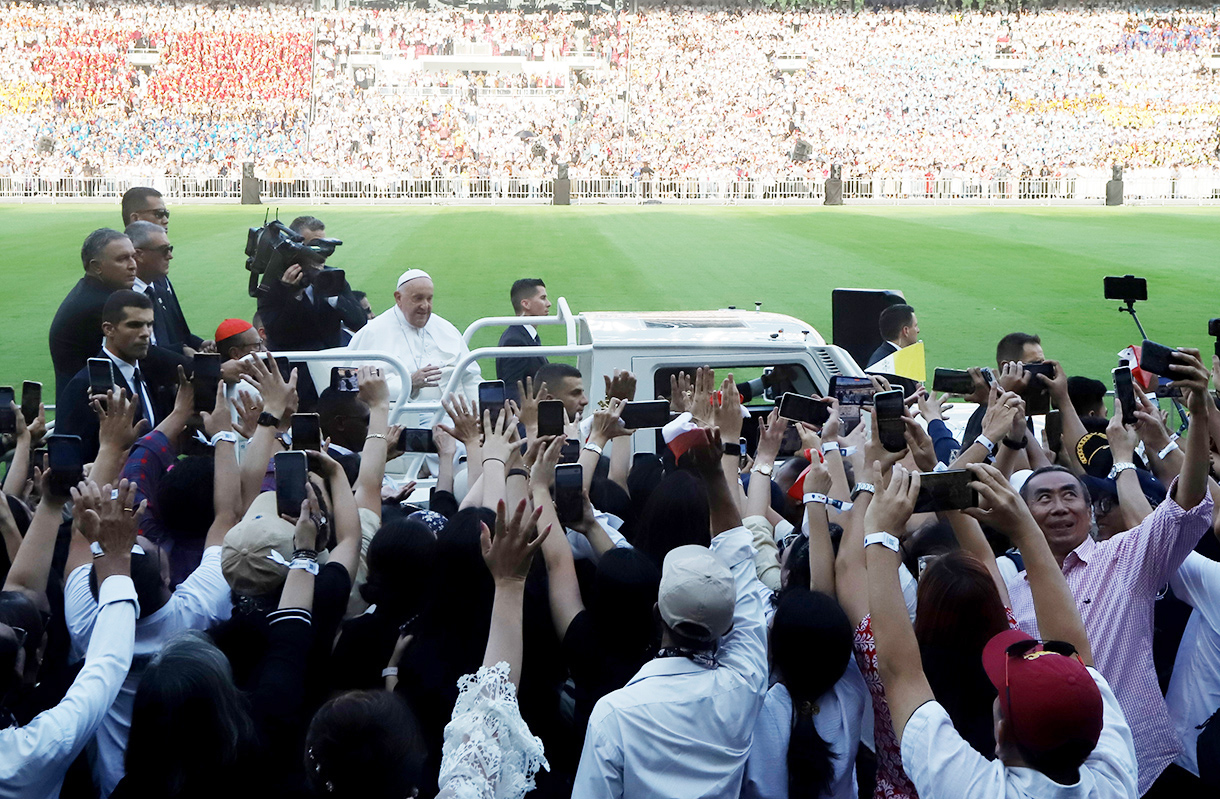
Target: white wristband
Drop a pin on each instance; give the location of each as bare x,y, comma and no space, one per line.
884,539
389,671
822,499
589,445
830,447
308,565
814,498
986,442
224,435
1170,447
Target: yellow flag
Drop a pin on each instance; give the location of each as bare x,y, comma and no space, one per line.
907,362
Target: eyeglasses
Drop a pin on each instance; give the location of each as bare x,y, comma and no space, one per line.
164,249
1021,649
1104,504
159,213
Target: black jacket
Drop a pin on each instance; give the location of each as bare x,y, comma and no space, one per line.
169,325
74,415
76,330
510,370
296,323
884,351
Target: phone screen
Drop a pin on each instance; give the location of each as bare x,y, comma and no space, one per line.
569,493
306,432
414,439
66,462
570,452
551,418
1127,287
1124,391
949,490
641,415
800,408
8,417
101,375
852,393
31,398
344,378
290,476
890,427
205,378
491,398
952,381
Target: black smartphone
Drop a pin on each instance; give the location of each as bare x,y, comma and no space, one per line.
205,376
952,381
1054,430
800,408
1165,391
1127,287
1124,391
8,416
570,451
852,394
344,378
1213,330
551,418
891,430
1037,396
38,458
66,460
1156,358
290,476
416,439
569,493
491,398
31,398
649,414
948,490
329,282
306,432
101,375
644,457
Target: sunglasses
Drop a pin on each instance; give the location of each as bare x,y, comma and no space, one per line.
1021,649
159,213
164,249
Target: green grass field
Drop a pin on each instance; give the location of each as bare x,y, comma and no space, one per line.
973,274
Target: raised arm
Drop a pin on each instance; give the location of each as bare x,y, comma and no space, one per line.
898,658
607,426
1132,503
116,435
1152,431
375,394
226,485
25,437
726,413
821,551
970,538
508,557
465,428
562,586
31,568
997,422
279,401
705,461
497,442
345,516
1191,377
1073,428
1054,606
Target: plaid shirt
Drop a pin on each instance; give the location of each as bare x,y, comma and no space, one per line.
1115,583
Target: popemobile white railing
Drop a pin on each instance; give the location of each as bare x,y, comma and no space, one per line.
536,186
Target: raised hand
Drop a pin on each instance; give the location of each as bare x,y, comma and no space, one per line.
607,422
279,395
249,407
527,411
220,419
465,427
701,399
115,420
509,553
704,456
621,385
1190,376
681,392
1000,506
770,436
891,507
726,409
373,388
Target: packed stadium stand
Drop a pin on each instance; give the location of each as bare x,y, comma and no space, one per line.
386,101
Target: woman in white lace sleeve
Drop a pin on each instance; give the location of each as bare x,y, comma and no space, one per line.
488,750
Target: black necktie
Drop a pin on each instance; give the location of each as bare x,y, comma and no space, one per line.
141,394
160,326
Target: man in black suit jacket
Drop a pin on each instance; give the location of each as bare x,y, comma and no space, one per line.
529,298
76,331
298,318
153,254
899,328
149,374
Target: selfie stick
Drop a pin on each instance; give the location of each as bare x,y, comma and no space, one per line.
1144,336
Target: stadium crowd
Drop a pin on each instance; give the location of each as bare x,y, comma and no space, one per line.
879,92
212,587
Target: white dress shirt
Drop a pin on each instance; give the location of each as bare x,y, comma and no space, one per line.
1194,688
140,287
943,766
200,601
679,729
128,370
34,758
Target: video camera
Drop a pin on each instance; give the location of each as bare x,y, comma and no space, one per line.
274,247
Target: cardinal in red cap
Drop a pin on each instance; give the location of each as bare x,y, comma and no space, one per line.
237,338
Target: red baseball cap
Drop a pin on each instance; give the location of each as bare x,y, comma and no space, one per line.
1048,699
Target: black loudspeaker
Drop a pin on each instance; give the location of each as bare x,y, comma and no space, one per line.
562,193
834,192
1114,191
249,185
854,314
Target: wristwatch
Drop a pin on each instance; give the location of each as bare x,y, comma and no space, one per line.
267,420
1008,442
764,469
733,448
1119,468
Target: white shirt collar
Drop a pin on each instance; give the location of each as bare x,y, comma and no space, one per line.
532,330
128,370
139,286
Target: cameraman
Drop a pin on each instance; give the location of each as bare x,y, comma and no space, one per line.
300,311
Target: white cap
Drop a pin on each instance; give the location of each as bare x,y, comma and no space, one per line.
411,274
697,595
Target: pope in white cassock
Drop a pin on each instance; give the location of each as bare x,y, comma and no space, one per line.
428,345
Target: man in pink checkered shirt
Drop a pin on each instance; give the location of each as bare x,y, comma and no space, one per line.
1116,581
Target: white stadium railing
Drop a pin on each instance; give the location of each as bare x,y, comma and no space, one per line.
893,188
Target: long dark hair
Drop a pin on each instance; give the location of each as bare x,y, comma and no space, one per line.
811,642
676,514
959,612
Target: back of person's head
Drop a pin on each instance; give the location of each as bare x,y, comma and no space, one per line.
184,497
96,242
893,319
365,744
19,611
811,644
115,309
1012,347
610,497
960,610
304,223
335,408
1087,395
645,475
400,568
624,592
676,514
794,564
140,232
149,574
523,289
469,587
9,652
134,200
553,374
187,696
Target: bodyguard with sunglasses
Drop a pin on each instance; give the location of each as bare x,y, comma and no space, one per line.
1059,730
